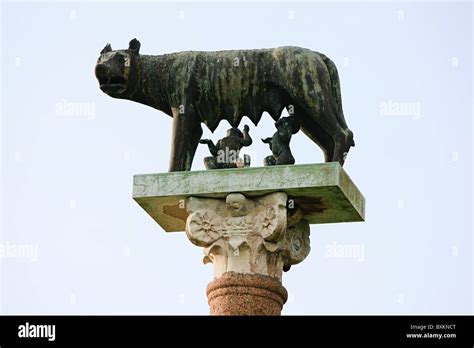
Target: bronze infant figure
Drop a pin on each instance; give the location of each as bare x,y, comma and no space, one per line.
280,142
225,154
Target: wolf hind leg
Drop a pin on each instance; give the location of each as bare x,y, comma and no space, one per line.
311,127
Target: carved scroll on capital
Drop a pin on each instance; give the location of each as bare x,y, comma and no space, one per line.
296,244
246,235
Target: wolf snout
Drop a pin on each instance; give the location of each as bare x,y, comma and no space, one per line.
101,72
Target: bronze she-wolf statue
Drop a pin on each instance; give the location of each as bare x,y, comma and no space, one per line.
196,87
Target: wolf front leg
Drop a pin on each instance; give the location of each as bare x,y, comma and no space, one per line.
187,132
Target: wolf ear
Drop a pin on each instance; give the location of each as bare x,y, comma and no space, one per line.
134,46
106,49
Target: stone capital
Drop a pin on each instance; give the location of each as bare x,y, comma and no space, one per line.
248,235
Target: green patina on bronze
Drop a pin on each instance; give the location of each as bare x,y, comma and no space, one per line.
197,87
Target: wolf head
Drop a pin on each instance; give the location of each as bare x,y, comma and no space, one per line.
116,70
